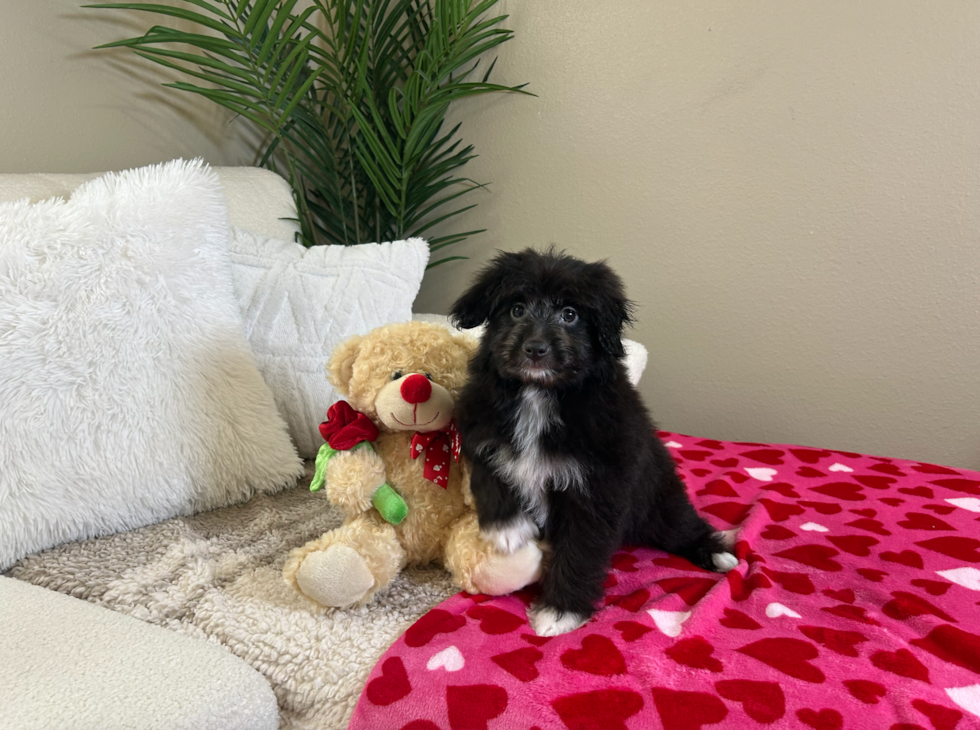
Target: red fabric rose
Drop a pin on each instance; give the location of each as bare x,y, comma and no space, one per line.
345,428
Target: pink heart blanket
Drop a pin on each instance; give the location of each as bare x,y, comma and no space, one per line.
854,605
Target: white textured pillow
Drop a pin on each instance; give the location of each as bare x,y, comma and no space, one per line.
128,393
299,303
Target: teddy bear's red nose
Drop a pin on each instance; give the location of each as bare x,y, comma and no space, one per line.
416,389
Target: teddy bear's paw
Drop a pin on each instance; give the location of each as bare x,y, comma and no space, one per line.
503,573
337,576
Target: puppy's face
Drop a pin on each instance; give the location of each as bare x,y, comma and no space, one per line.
539,340
550,318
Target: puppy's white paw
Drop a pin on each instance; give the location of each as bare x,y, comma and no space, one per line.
546,621
509,537
724,561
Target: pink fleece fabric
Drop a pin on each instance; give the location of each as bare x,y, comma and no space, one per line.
854,605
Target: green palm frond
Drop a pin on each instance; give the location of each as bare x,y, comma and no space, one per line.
353,95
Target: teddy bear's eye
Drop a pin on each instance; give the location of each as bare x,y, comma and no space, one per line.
395,375
429,376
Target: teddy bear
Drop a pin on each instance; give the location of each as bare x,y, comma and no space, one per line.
401,382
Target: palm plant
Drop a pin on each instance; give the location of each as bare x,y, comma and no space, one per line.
351,95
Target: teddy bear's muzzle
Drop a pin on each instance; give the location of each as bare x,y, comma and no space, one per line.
414,403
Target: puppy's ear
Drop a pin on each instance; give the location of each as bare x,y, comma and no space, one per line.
611,310
477,303
340,368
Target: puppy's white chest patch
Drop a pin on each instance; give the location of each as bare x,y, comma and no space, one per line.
525,466
536,413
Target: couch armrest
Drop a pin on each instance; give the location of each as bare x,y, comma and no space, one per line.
68,663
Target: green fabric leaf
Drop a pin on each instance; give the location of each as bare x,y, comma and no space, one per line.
389,504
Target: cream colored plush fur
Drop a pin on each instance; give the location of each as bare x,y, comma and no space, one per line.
350,564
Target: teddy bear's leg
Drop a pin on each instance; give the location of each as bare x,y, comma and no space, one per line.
348,565
478,567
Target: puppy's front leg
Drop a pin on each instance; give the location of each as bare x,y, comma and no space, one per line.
503,522
582,546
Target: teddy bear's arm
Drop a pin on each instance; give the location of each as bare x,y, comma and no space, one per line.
352,479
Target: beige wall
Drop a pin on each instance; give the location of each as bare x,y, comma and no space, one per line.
67,108
791,191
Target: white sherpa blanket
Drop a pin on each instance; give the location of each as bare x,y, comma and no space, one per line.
217,576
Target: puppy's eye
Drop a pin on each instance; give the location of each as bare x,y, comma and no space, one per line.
517,311
395,375
568,315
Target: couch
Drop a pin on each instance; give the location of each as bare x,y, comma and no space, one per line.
186,623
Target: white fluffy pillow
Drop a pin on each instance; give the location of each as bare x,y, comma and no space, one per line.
298,304
128,393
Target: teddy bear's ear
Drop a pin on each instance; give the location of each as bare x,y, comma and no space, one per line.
341,365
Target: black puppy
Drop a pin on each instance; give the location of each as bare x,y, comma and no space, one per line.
560,443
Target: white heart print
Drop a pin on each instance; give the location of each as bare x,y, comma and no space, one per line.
449,659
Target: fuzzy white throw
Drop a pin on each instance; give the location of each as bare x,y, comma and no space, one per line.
217,576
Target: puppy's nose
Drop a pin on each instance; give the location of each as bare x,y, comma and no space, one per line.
416,389
536,349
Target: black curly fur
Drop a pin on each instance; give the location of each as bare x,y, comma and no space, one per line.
608,479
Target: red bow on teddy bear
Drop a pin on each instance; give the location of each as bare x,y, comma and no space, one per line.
437,446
